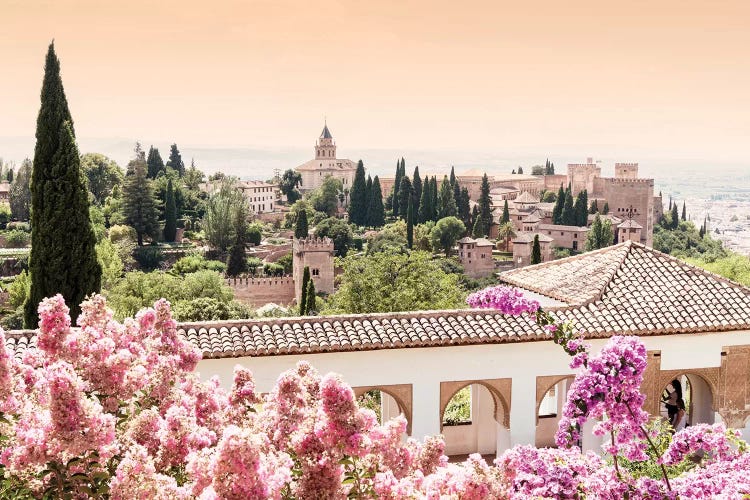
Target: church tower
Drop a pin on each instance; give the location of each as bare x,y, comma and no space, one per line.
325,148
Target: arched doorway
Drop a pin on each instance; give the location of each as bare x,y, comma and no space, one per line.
552,393
387,401
697,396
474,419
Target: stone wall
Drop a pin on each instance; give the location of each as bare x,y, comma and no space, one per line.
260,291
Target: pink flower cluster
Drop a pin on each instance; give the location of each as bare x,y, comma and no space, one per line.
608,389
116,407
506,299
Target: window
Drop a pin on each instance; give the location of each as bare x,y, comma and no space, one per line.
316,272
469,255
575,235
575,245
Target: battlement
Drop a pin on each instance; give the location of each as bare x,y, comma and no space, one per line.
628,181
626,165
313,244
253,281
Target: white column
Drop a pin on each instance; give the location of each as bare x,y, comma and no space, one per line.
590,442
426,410
522,411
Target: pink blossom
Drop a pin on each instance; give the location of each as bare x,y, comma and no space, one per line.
507,300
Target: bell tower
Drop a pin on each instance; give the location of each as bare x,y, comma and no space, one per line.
325,148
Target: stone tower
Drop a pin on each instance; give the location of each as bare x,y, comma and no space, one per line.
626,170
629,230
317,254
325,148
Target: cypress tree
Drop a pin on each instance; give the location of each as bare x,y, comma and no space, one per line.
376,212
300,227
358,197
396,187
175,160
684,211
453,177
675,217
594,208
464,207
303,296
139,202
594,237
536,251
568,213
404,195
435,202
520,170
424,211
63,256
446,202
310,302
416,185
368,195
559,204
605,210
9,177
237,262
410,224
580,208
154,162
170,213
506,213
484,220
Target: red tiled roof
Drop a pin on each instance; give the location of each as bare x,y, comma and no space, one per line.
627,288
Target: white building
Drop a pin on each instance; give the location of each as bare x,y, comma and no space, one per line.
261,196
326,164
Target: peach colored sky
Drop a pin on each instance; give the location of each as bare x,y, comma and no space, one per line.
666,76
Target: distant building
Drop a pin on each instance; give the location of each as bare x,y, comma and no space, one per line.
4,191
523,245
476,256
261,196
326,164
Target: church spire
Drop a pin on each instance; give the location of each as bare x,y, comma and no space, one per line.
325,147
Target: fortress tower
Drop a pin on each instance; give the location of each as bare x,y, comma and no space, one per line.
317,254
626,170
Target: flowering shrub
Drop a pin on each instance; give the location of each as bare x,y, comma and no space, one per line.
114,410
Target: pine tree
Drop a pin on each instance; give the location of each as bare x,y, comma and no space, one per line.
416,185
358,197
154,162
559,204
63,256
506,213
139,201
580,208
311,301
300,227
404,195
446,202
237,262
536,251
376,212
170,215
410,224
684,211
594,208
568,213
303,296
175,160
484,220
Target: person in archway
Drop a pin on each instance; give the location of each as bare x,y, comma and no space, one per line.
680,418
671,398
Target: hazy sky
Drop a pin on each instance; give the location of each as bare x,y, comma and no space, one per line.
670,77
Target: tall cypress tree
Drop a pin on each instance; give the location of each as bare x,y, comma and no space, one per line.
310,301
154,162
404,195
303,296
675,217
63,256
484,220
368,195
424,210
568,213
594,208
358,197
300,227
580,208
446,202
410,223
464,207
684,211
605,209
396,187
536,251
559,204
506,213
416,185
175,160
170,214
435,202
453,176
376,212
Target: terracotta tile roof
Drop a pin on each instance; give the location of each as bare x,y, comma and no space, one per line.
527,237
525,198
560,227
630,223
627,288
